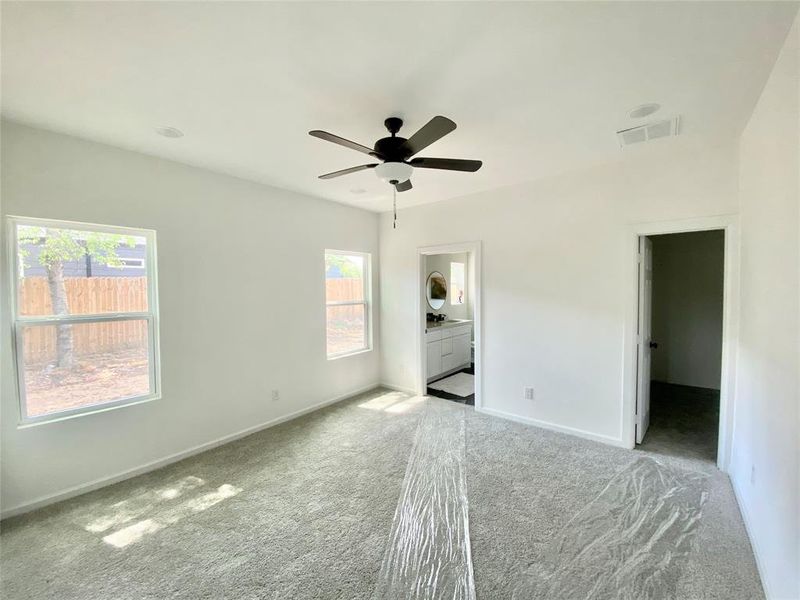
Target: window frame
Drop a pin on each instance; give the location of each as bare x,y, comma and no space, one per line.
463,282
19,322
366,302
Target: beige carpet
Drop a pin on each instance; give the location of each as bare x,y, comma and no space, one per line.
305,510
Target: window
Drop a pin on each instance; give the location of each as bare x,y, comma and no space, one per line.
347,299
457,286
85,325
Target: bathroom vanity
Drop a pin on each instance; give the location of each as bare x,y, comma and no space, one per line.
449,346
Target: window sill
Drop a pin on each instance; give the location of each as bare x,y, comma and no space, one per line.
101,408
347,354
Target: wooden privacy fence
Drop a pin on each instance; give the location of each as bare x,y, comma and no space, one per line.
345,288
89,295
341,290
85,295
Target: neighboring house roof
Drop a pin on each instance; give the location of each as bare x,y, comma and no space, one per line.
87,267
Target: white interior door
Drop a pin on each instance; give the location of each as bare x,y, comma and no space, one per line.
644,337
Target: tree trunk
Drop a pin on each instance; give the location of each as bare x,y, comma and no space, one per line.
58,297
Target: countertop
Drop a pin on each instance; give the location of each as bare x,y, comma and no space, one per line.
446,324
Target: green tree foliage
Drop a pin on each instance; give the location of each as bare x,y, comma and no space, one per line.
58,246
65,245
344,264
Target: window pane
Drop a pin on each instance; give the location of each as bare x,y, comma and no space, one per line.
66,271
77,365
347,331
458,293
344,277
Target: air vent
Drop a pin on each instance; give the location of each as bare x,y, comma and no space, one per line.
649,131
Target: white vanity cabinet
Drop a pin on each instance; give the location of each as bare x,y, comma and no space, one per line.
434,358
448,349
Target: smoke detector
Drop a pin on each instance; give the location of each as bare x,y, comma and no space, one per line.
643,110
649,131
169,132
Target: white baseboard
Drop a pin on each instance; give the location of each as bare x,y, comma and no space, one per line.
753,542
398,388
595,437
172,458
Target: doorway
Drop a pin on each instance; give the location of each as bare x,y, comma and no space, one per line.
730,318
449,323
680,341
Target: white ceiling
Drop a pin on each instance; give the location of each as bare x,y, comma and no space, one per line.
535,88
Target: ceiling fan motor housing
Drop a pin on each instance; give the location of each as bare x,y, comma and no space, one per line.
392,148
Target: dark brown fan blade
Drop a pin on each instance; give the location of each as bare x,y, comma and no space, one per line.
433,130
347,171
404,186
329,137
448,164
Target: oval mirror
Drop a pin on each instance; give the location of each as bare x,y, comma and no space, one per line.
437,290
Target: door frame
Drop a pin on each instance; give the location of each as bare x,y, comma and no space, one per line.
474,248
645,252
730,321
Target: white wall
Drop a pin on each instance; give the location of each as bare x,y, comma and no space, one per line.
241,282
766,427
441,263
554,272
688,271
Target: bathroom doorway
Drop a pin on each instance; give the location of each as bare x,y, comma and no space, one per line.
449,322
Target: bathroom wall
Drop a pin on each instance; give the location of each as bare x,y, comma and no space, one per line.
441,263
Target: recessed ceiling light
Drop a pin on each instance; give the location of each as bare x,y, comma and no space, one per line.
357,191
644,110
169,132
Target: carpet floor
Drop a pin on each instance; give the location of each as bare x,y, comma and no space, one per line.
304,510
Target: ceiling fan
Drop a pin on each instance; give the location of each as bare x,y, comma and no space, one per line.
396,152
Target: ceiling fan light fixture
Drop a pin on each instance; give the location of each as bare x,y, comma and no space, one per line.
394,172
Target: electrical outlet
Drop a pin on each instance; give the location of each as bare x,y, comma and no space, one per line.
528,393
276,395
752,474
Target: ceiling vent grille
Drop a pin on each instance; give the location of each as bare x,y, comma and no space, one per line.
649,131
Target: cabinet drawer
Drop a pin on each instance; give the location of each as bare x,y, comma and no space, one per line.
450,361
447,346
461,330
433,335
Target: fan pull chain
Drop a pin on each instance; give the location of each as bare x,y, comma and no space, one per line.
394,206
